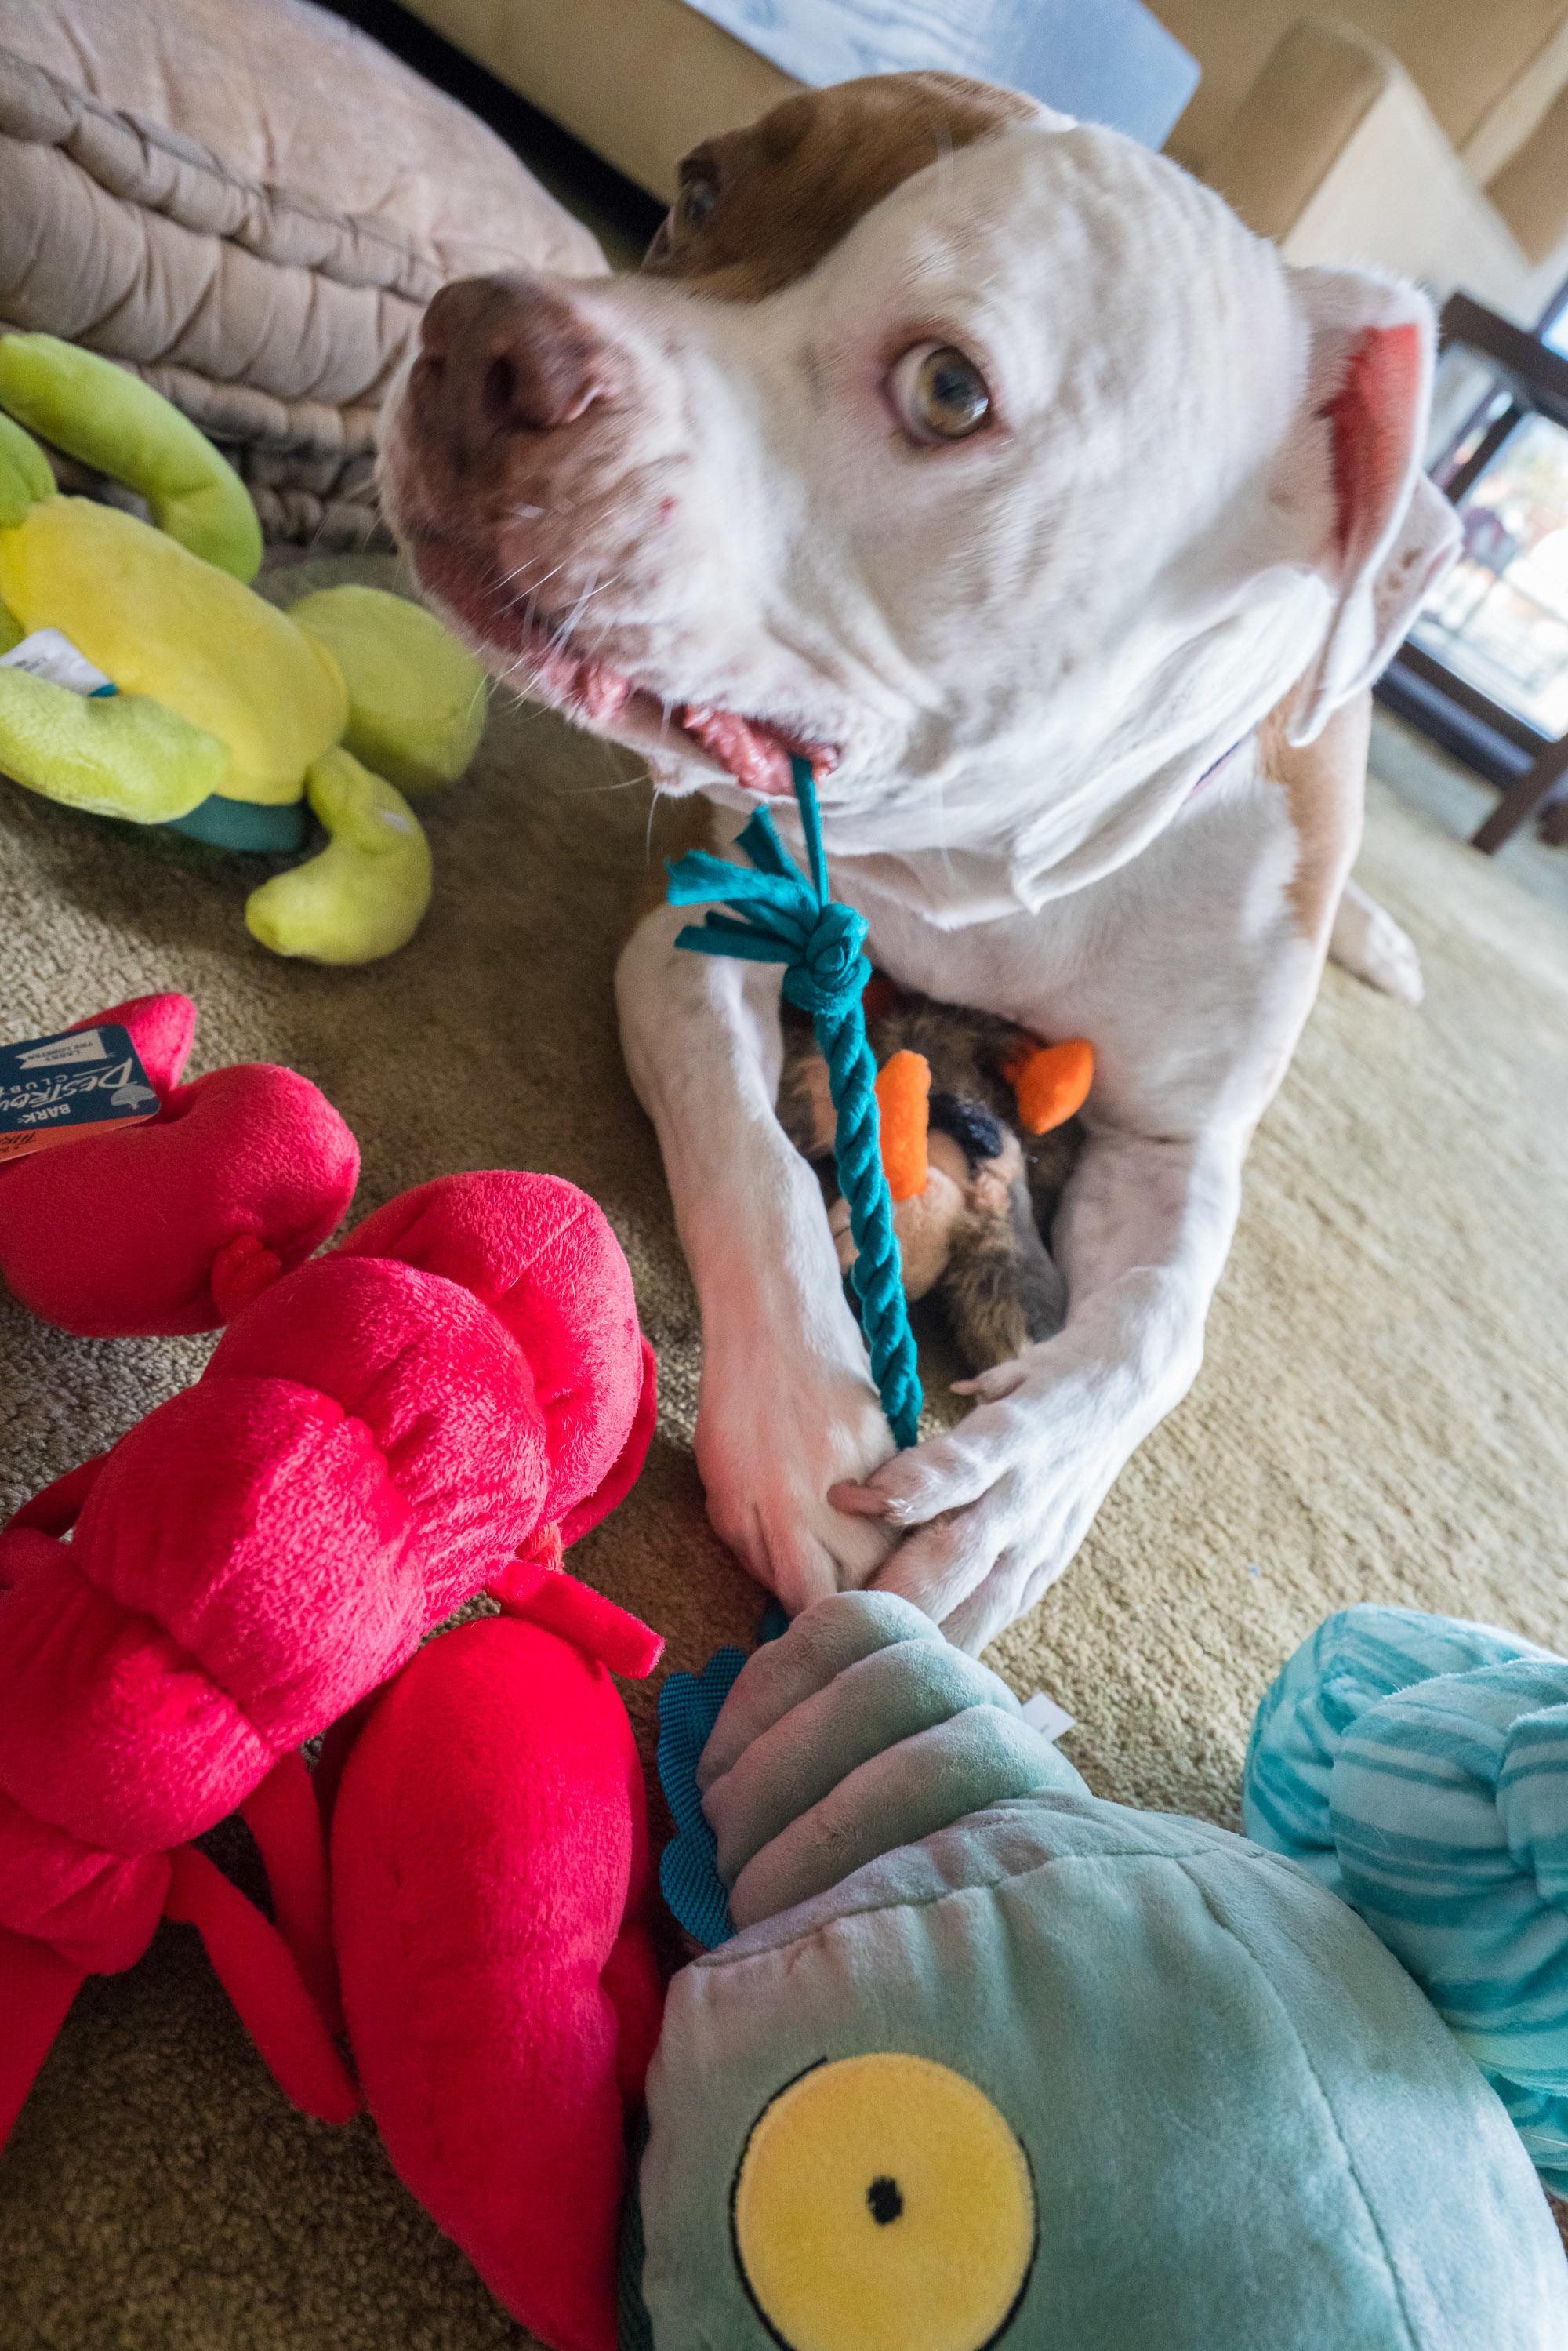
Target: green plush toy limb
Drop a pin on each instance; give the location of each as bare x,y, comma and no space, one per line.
416,698
365,895
123,755
24,476
107,418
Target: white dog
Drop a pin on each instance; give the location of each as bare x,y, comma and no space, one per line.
989,459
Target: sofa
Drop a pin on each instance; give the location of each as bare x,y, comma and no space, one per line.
1430,136
249,204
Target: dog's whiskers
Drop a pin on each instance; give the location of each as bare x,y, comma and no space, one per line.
534,586
599,588
561,633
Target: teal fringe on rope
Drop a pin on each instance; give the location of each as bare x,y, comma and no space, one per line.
787,919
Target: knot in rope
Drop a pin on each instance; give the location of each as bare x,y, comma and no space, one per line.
830,972
785,917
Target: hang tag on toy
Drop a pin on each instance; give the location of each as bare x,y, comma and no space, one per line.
61,1089
1042,1714
49,654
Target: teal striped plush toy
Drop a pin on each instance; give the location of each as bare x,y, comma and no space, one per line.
1418,1767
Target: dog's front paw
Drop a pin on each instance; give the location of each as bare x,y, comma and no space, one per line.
989,1515
776,1428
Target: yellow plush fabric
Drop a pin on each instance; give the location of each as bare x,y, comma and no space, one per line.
24,476
365,895
108,419
822,2258
216,694
416,699
103,756
161,624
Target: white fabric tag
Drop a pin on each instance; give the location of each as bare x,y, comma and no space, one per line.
1043,1714
64,1052
49,654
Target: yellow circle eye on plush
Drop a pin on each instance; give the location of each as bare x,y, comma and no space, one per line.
884,2202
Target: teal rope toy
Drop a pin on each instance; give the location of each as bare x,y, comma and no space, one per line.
789,919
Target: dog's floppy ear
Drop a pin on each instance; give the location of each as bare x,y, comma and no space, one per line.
1355,463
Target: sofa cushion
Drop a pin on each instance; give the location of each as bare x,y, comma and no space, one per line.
1466,60
250,205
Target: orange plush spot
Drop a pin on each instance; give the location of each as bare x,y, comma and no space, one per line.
1051,1081
903,1100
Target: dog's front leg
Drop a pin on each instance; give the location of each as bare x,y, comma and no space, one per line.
991,1514
786,1407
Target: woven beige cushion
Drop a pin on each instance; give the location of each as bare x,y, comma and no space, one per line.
249,204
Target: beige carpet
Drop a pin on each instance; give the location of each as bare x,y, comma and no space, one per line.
1381,1417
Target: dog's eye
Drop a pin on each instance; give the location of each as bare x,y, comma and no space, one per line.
696,202
939,394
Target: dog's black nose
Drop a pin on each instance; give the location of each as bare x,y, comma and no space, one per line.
504,356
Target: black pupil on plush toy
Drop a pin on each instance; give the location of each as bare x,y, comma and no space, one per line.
885,2201
970,1124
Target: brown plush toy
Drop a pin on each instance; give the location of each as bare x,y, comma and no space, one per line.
978,1135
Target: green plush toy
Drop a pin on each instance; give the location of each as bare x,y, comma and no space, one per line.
989,2063
141,676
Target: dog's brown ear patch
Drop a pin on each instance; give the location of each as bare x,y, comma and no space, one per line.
758,208
1325,786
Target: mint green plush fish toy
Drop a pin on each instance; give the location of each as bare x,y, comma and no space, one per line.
986,2060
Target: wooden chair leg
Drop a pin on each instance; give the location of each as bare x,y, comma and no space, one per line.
1555,825
1519,804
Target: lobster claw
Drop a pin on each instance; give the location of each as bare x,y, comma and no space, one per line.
373,1440
157,1229
490,1875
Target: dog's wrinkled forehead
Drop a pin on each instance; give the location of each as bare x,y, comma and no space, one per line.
759,208
1101,289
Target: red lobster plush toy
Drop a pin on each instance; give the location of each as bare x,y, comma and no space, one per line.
152,1230
434,1410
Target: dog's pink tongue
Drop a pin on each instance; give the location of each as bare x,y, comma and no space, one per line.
754,758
